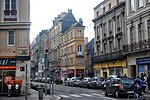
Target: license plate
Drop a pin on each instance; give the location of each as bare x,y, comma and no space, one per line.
130,91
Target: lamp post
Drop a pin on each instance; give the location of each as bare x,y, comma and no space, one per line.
46,71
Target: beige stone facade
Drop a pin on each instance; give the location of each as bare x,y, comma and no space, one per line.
14,39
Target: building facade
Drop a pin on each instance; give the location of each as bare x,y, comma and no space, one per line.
138,37
89,54
14,41
109,26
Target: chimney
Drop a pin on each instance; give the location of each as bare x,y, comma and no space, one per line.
80,21
69,10
63,14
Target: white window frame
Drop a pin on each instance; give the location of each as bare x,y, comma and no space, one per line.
132,32
79,33
132,5
140,3
141,31
8,38
79,48
10,5
80,60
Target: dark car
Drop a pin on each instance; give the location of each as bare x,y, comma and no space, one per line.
84,82
74,81
106,80
119,86
95,82
67,81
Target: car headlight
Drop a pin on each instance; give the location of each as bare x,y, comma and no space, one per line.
9,86
16,86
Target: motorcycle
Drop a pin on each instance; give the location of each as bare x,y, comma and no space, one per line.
9,90
17,90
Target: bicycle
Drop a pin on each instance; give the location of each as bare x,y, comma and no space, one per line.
135,96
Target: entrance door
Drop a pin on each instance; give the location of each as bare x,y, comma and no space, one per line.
1,82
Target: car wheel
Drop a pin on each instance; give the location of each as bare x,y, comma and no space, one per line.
117,93
106,94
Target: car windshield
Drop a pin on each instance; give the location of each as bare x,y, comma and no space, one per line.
127,81
78,78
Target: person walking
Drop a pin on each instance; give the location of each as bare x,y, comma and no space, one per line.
142,76
148,81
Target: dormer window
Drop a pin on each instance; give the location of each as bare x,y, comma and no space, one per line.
10,11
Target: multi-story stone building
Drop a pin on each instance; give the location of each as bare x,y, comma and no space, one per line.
109,26
89,54
138,37
37,48
14,41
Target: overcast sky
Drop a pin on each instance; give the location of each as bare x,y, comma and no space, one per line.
44,11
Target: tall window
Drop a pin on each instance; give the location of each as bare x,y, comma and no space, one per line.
11,38
10,10
132,7
118,23
117,1
103,9
148,24
148,1
110,6
79,48
140,31
98,33
132,34
119,44
97,13
140,3
110,46
79,33
110,27
80,60
105,48
104,30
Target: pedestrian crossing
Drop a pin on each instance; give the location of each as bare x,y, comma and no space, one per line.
82,95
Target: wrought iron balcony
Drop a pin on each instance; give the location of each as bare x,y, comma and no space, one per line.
136,46
108,57
79,54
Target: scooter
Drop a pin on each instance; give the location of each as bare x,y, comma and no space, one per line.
17,90
9,90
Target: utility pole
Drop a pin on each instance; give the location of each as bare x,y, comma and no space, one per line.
46,71
26,95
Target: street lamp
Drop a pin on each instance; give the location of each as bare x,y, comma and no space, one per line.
46,71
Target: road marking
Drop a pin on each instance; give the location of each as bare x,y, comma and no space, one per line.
87,95
96,94
74,95
64,96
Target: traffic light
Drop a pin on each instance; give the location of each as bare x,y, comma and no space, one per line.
22,69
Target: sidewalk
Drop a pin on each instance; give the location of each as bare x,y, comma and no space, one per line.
33,96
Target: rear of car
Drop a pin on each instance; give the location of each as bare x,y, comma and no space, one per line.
95,82
119,87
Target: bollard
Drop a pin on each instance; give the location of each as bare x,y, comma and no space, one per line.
40,93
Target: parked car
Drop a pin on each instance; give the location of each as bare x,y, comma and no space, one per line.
84,82
106,80
119,86
74,81
95,82
67,81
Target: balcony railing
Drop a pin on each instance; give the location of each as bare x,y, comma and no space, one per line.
108,57
136,46
79,54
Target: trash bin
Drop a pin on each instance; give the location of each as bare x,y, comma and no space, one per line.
40,93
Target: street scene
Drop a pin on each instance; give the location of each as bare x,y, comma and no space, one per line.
74,50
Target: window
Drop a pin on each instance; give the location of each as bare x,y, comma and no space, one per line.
111,46
79,33
79,60
140,31
117,1
98,33
79,48
110,6
118,23
110,25
132,34
103,9
105,48
132,5
97,13
10,10
148,24
119,44
140,3
104,30
11,38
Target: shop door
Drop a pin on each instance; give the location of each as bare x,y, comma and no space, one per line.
1,82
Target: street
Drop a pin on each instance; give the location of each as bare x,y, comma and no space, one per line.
77,93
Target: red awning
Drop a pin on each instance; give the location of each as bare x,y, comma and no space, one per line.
7,67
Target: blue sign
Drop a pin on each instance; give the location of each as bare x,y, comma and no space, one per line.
141,61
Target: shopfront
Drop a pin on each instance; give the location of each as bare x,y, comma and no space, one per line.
7,68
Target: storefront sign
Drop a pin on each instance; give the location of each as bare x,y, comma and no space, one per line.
7,63
143,60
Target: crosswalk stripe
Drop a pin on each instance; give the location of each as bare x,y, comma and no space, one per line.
87,95
74,95
64,96
96,94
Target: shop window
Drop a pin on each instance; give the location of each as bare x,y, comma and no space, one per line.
97,73
140,70
111,71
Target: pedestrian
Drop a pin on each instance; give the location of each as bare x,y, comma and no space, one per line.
142,76
125,75
148,81
145,78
